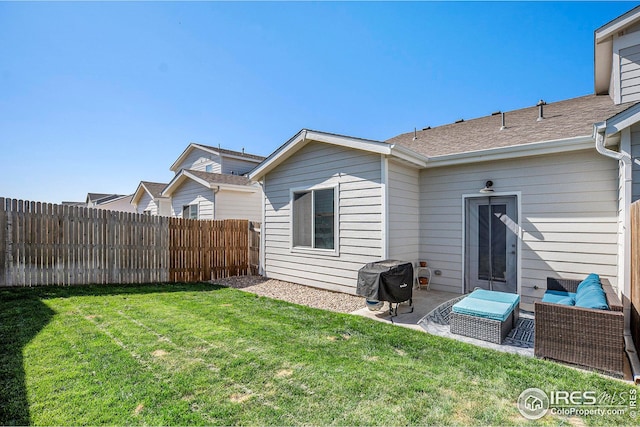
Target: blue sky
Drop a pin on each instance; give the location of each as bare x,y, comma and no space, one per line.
95,97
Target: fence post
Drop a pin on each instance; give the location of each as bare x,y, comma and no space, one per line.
3,242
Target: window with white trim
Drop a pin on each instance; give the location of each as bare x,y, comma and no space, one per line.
314,214
190,212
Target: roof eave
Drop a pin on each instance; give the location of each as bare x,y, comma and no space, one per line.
185,153
513,151
305,136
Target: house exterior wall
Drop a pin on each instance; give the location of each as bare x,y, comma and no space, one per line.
630,73
568,202
198,160
239,205
147,203
625,75
235,166
120,205
403,212
190,192
360,200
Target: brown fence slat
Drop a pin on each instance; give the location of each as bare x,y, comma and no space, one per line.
635,273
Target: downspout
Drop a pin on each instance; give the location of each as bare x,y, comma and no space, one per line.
215,200
626,163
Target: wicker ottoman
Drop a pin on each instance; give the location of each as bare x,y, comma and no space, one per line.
485,315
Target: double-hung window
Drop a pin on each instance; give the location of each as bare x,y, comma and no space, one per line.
314,219
190,212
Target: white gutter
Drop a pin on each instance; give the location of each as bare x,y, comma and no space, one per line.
513,151
626,164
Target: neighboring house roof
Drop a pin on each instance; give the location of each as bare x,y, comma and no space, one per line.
220,178
94,197
154,189
210,180
224,151
216,151
562,120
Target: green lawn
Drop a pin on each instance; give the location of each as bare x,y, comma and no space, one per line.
203,354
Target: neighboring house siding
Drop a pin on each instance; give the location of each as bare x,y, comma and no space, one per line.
568,216
239,205
358,175
146,203
635,154
198,160
190,192
237,166
404,219
630,73
120,205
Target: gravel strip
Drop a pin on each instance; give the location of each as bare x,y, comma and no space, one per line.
297,294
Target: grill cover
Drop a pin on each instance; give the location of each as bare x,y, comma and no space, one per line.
389,280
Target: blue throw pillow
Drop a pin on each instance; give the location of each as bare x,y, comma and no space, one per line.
591,280
592,297
566,301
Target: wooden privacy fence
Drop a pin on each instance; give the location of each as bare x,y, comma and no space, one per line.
204,250
46,244
635,273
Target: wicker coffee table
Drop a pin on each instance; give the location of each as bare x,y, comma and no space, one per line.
485,315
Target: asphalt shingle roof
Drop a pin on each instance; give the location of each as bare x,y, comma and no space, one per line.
155,188
234,153
220,178
563,119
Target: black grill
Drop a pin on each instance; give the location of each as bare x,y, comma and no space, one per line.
389,280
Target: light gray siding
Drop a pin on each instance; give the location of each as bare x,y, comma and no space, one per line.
198,160
568,214
358,175
635,154
147,203
404,212
190,192
239,205
235,166
630,73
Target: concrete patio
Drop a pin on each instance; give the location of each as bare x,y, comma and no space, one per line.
424,301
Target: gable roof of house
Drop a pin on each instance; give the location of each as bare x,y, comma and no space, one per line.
210,181
566,119
305,136
154,189
215,151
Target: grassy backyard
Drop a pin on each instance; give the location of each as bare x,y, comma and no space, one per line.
202,354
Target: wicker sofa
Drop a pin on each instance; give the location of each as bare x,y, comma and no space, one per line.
582,336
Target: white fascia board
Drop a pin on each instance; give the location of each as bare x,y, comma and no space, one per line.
179,179
278,156
513,151
345,141
188,150
622,120
618,24
138,193
408,155
305,136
